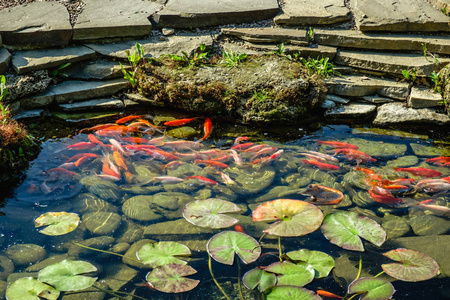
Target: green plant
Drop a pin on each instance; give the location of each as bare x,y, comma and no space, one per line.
311,34
444,10
232,59
435,79
281,50
321,67
134,60
57,72
426,54
3,89
410,75
199,57
260,96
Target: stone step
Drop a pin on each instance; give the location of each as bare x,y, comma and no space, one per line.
398,16
95,70
39,24
95,104
312,12
102,19
424,97
351,112
393,63
201,13
5,58
312,52
269,35
398,113
359,86
365,40
32,60
70,91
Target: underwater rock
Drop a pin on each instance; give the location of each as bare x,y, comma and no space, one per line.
367,213
142,190
99,242
6,267
185,170
395,226
87,202
224,193
184,132
104,189
253,180
315,174
403,162
202,194
101,222
171,204
120,248
24,254
91,293
428,150
3,286
118,275
429,225
375,148
130,257
285,165
271,194
129,233
362,199
183,187
297,180
140,208
47,262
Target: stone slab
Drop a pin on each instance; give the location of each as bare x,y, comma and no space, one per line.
96,104
311,52
397,113
379,41
118,19
358,86
201,13
32,60
31,25
393,63
424,97
337,99
398,16
312,12
353,111
154,47
5,58
377,99
29,115
140,99
98,70
269,35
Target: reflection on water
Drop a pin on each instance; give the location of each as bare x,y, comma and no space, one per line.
130,186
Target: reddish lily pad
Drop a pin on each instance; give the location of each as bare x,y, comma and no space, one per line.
345,229
29,288
323,195
294,217
210,213
162,253
259,278
372,288
170,278
413,266
223,246
321,262
289,273
59,223
290,293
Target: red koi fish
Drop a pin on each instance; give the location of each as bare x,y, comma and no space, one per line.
437,209
205,180
326,294
82,146
446,178
371,174
439,160
224,159
243,146
240,139
98,127
128,118
352,154
320,165
384,198
207,127
80,155
420,171
238,228
212,163
135,140
402,181
337,145
179,122
82,160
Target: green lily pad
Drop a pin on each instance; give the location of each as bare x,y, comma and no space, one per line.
29,288
372,288
259,278
170,278
223,246
345,229
163,253
321,262
294,217
289,273
59,223
414,266
290,293
210,213
64,276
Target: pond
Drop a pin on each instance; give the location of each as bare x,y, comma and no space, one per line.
133,185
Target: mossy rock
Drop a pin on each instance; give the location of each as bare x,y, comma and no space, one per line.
429,225
102,222
428,150
24,254
252,181
403,162
184,132
380,149
6,267
87,202
104,189
141,208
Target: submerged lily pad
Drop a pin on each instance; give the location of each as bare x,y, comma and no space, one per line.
64,276
59,223
224,245
372,288
414,266
29,288
321,262
259,278
290,293
210,213
162,253
289,273
323,195
345,229
294,217
170,278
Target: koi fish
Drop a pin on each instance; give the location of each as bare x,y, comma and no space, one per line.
439,160
148,123
82,146
135,140
110,169
240,139
243,146
352,154
212,163
238,228
80,155
116,145
224,158
179,122
337,145
120,160
438,209
98,127
172,165
384,198
265,151
310,156
320,165
433,185
323,195
82,160
403,181
128,118
168,179
370,173
328,157
327,294
420,171
205,180
237,158
226,179
255,148
183,145
207,127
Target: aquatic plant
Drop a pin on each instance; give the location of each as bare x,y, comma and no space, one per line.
58,223
170,278
66,275
371,288
233,59
30,288
210,213
162,253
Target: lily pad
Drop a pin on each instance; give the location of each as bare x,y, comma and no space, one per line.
64,276
345,229
414,266
290,293
59,223
163,253
223,246
259,278
289,273
210,213
372,288
321,262
323,195
294,217
170,278
29,288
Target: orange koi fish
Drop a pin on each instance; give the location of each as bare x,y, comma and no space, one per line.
403,181
211,163
149,124
172,165
327,294
420,171
243,146
120,160
135,140
205,180
179,122
240,139
82,146
238,228
383,198
371,174
98,127
128,118
337,145
439,160
84,159
320,165
80,155
207,127
109,169
352,154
